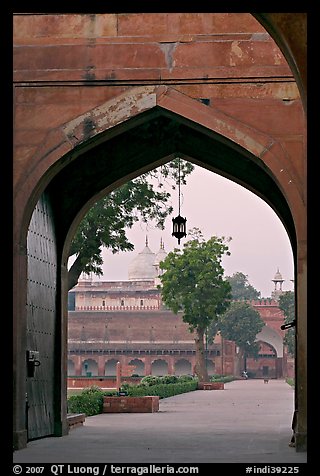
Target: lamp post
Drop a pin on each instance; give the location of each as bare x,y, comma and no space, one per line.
222,355
206,349
245,356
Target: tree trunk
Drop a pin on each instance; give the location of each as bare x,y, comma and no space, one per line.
200,368
242,361
74,273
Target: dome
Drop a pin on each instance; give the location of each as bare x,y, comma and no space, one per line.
142,267
161,255
278,276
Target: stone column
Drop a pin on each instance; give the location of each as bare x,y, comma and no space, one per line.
78,365
101,365
148,365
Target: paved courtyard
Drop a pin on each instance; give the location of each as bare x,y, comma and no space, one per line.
247,422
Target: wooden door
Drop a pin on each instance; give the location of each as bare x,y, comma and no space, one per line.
41,318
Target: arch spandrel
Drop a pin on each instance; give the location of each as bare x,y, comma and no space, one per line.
142,99
124,113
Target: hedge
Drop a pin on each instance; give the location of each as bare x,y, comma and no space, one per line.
162,390
90,400
222,378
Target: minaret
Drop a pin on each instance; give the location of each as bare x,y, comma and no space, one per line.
160,256
278,280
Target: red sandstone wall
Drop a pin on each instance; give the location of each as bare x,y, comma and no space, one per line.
273,316
80,382
163,324
226,58
164,327
137,326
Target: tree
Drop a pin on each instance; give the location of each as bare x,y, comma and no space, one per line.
241,288
241,323
193,283
105,224
287,305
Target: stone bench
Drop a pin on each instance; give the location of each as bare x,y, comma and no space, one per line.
211,386
75,419
148,404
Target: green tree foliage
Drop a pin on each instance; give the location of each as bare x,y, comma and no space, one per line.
241,288
287,305
105,224
241,323
193,283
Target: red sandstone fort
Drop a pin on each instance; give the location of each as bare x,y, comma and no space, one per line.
126,322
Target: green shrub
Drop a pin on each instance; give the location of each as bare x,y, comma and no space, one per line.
186,378
228,378
168,379
215,377
89,401
163,390
125,386
221,378
110,393
150,380
93,390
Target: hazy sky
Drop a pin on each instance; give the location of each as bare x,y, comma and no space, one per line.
218,206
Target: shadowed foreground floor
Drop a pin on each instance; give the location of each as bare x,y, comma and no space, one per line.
247,422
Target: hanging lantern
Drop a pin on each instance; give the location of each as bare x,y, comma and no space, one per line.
179,227
179,223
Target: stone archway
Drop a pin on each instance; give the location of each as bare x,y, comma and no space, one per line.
159,367
272,337
182,367
89,367
111,367
169,124
71,368
275,340
139,367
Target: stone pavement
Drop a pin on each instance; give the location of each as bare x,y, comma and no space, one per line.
247,422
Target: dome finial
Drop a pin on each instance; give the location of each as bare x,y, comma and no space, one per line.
146,240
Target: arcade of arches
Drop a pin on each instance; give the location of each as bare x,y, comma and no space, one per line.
100,99
126,321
